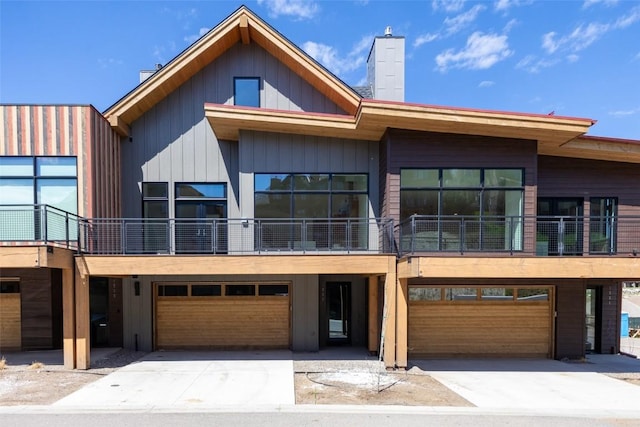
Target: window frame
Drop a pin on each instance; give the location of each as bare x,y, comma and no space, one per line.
238,91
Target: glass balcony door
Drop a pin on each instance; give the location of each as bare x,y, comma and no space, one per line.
562,225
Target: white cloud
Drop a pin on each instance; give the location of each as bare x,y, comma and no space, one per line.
482,51
505,5
486,83
532,64
425,38
299,9
573,57
108,62
509,26
447,5
584,35
462,20
625,113
193,37
331,58
629,19
589,3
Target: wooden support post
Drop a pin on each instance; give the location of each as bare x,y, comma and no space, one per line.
374,323
402,311
389,315
68,318
83,345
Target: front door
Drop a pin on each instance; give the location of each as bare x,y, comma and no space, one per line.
593,323
338,308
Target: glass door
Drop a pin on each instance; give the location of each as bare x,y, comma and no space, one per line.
339,312
199,207
562,225
592,320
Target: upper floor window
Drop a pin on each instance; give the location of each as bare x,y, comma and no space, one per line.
39,180
246,91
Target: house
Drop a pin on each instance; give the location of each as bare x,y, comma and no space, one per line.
242,196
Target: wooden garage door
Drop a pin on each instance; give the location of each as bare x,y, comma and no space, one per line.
222,316
480,322
10,316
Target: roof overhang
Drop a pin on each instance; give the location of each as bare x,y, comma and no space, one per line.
241,27
374,117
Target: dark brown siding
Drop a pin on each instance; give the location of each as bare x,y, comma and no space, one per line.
38,313
562,177
570,320
115,313
409,149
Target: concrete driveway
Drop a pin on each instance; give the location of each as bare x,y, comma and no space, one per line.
536,384
192,380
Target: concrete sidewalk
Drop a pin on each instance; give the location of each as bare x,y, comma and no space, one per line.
193,380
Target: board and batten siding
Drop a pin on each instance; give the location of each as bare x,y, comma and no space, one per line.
411,149
173,141
561,177
69,130
264,152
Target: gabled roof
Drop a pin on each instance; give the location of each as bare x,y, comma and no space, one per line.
242,26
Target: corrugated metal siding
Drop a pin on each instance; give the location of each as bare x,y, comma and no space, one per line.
68,130
562,177
409,149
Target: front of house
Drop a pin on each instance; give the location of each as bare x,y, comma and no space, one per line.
244,197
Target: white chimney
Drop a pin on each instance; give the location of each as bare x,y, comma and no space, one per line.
145,74
385,67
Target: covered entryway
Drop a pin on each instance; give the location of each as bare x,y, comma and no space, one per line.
209,315
480,321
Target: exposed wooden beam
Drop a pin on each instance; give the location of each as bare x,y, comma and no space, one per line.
82,319
113,266
374,322
389,317
36,256
68,318
402,325
119,125
463,267
244,30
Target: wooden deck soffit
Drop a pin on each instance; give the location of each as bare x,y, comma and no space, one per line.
116,266
519,267
243,26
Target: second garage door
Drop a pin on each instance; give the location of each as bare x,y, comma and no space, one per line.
480,321
222,316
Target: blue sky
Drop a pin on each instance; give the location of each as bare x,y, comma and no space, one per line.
575,58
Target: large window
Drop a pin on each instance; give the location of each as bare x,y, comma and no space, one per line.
26,180
465,209
155,206
246,91
321,210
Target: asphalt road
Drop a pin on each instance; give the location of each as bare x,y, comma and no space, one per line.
293,419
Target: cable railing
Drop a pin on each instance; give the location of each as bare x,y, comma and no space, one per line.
525,235
38,224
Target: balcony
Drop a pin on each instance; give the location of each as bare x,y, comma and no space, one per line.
45,225
523,235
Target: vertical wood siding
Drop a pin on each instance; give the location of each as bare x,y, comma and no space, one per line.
561,177
173,142
68,130
409,149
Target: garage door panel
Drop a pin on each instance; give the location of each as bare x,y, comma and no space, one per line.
10,322
225,323
479,328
